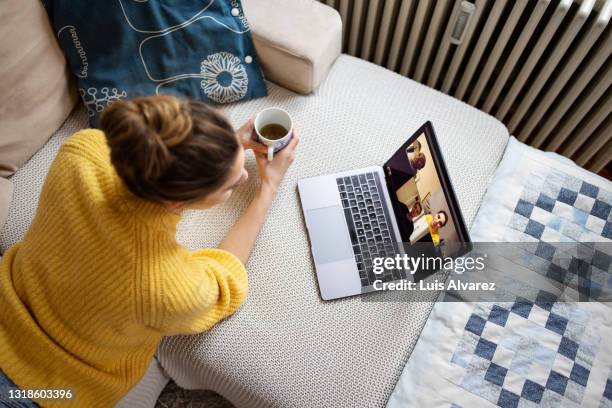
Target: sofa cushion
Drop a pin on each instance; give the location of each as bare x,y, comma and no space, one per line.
36,94
297,41
6,193
203,50
285,347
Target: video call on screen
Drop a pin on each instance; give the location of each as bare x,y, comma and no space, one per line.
420,204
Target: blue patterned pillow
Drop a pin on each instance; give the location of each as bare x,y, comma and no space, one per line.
120,49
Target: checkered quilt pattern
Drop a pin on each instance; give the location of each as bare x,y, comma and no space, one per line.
528,353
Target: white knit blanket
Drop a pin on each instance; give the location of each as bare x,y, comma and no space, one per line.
286,347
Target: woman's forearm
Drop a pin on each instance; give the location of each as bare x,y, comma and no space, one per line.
241,238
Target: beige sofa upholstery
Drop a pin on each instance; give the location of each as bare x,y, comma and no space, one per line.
36,91
286,347
6,194
297,41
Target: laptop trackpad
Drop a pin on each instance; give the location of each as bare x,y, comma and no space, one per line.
328,235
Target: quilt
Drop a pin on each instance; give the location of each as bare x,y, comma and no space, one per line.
541,351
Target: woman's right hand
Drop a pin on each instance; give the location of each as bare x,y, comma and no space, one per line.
271,173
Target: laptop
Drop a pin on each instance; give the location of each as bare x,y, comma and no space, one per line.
356,216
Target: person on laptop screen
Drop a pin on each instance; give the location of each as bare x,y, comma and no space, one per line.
404,165
420,201
410,214
435,223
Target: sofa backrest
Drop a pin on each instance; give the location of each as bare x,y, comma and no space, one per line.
36,90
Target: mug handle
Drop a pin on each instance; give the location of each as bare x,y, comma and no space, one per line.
270,153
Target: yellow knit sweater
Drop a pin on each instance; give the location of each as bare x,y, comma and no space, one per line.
98,280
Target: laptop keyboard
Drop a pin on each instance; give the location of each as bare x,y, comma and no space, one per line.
369,224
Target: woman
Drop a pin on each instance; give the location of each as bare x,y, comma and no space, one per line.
99,277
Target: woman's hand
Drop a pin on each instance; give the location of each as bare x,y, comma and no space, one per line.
241,238
271,173
246,136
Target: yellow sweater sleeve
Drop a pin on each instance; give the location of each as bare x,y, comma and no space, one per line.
205,287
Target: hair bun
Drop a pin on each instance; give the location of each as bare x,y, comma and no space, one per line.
165,149
143,131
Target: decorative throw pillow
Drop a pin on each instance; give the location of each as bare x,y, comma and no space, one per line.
119,49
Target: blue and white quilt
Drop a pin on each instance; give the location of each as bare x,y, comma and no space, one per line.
526,353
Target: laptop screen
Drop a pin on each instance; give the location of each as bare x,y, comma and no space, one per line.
424,203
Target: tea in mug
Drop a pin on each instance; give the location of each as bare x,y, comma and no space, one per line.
273,131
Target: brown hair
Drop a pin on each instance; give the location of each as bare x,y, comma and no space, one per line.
445,217
167,149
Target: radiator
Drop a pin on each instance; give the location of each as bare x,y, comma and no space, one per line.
542,67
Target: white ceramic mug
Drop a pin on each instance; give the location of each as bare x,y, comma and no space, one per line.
280,117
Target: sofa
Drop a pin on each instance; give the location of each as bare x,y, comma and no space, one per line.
286,347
